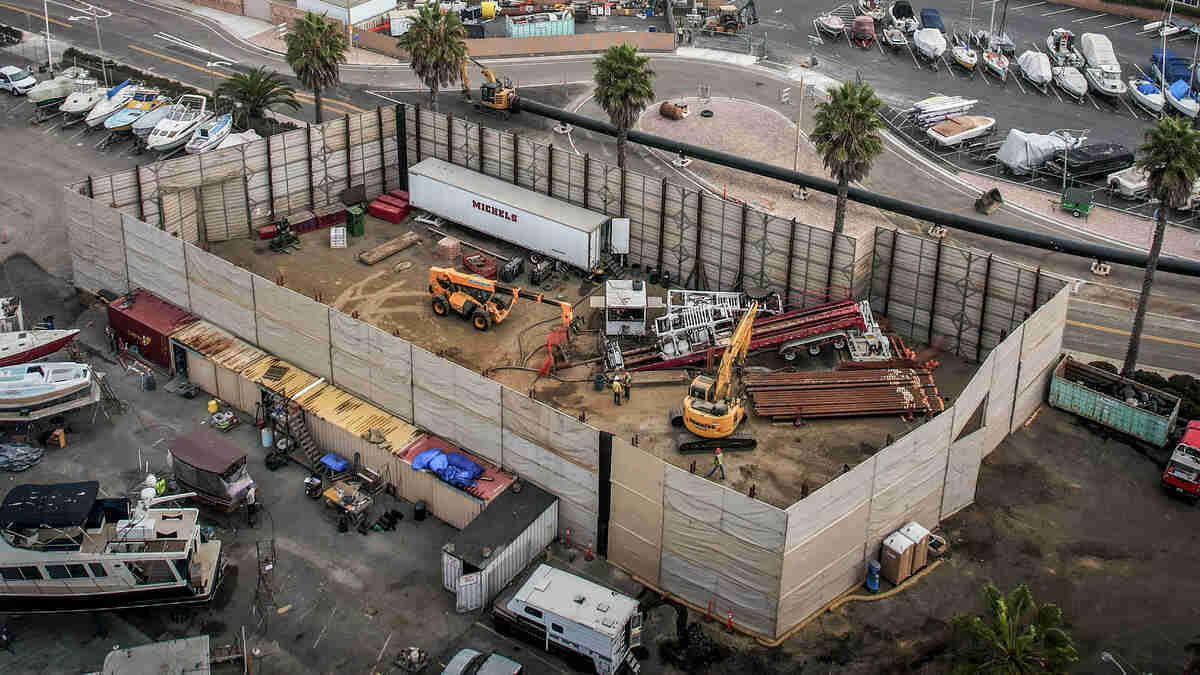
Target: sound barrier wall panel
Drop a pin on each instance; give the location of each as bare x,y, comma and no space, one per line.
155,261
1041,345
221,292
962,473
458,404
1003,390
292,326
97,244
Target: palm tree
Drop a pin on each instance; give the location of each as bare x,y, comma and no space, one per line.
1017,636
1171,159
258,91
315,47
436,44
846,134
624,87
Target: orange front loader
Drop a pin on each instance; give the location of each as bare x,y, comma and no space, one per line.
482,301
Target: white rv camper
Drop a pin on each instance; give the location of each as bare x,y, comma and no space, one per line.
568,613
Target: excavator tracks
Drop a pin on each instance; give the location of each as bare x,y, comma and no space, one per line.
739,441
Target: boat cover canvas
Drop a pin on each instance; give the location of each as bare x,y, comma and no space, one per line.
1177,68
1023,152
1099,152
901,9
929,41
930,18
55,505
1036,65
1147,88
1097,50
864,26
206,451
1179,89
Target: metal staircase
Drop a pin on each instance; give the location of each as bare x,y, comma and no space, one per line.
302,437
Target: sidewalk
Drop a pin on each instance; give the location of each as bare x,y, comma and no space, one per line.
1103,222
269,40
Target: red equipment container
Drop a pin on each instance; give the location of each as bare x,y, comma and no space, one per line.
480,264
145,322
388,212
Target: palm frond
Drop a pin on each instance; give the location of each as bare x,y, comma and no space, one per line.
624,85
1170,156
1015,636
315,48
259,90
436,44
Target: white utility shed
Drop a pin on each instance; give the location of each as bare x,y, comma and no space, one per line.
497,545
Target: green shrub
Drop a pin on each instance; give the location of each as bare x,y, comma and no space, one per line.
1186,387
120,72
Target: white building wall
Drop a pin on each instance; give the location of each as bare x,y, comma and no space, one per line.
360,12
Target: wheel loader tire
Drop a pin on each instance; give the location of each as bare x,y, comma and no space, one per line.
440,307
481,321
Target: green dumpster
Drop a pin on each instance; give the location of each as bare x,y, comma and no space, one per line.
354,221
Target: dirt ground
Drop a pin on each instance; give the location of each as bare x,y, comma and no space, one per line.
787,459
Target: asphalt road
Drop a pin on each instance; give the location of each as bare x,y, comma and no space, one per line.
133,31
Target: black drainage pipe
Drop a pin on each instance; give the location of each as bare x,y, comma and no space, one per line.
1109,254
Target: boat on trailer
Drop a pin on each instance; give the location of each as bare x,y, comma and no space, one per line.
65,549
85,95
175,130
903,17
958,130
114,100
1070,81
830,24
30,345
893,37
1034,67
1146,94
33,386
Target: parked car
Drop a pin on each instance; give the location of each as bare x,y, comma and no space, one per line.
471,662
16,81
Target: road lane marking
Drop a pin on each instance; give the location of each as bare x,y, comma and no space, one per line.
1060,11
1118,331
36,15
1017,9
1123,23
307,98
1088,18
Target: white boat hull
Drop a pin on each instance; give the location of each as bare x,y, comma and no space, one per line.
1071,81
108,107
38,385
830,25
1187,107
1150,102
951,140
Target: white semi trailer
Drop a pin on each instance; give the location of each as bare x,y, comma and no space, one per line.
520,216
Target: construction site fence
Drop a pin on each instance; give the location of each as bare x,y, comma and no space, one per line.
715,548
770,569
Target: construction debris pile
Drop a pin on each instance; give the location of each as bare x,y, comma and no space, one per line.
694,651
848,393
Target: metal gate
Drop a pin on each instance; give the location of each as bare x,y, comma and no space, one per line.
178,211
470,592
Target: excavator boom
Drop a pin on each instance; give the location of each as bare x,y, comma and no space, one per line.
735,353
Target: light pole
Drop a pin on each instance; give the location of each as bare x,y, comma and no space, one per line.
1106,657
46,14
212,66
99,45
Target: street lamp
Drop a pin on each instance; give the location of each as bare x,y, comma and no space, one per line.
212,65
46,14
99,45
1106,657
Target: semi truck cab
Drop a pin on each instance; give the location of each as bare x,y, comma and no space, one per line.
1182,475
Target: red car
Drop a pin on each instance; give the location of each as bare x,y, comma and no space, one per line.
480,264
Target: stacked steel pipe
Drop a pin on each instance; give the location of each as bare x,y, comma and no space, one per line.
849,393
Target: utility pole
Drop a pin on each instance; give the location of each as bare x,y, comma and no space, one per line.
99,45
800,192
46,14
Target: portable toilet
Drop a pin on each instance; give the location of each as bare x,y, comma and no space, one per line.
895,559
919,536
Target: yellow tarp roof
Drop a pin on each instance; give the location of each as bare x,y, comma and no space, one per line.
218,345
280,376
346,411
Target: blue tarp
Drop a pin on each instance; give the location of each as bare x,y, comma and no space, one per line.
1179,89
432,459
1147,88
455,468
930,18
1176,68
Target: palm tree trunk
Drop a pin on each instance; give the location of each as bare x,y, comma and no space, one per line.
317,103
839,214
433,92
622,135
1139,318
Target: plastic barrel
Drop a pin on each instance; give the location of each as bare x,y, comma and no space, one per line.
148,383
419,511
598,382
268,437
872,582
487,10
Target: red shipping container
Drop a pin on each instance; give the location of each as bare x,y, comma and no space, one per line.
388,212
145,323
268,231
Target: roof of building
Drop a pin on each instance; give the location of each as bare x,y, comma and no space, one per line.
621,293
507,194
206,451
281,377
504,519
218,345
54,505
152,311
577,599
346,411
172,657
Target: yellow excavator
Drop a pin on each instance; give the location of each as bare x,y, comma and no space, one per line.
497,96
715,406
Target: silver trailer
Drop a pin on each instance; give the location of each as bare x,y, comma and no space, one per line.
531,220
